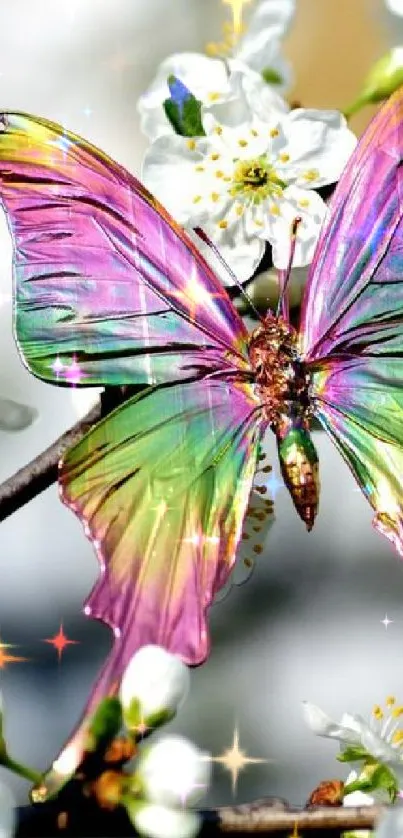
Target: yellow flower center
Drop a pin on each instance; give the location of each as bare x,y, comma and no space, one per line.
257,179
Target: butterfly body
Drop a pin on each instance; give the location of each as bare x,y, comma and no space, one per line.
282,383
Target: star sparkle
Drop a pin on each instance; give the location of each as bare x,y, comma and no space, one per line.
274,483
194,295
5,658
60,641
235,760
386,622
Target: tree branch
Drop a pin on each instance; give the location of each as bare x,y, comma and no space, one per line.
41,472
269,816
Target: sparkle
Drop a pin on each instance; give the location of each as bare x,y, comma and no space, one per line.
87,112
60,641
274,484
386,622
73,373
62,142
57,366
198,539
234,760
5,658
193,295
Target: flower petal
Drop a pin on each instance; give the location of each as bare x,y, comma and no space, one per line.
319,145
157,821
266,26
173,772
323,725
206,78
241,252
169,172
312,210
158,680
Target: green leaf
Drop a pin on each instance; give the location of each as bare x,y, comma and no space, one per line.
183,110
354,753
384,778
271,76
132,716
105,724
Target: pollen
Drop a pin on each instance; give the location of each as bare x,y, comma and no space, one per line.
284,158
310,175
191,144
274,132
243,143
214,196
218,130
248,562
196,199
397,737
304,202
199,168
274,209
214,156
397,712
223,224
258,223
213,96
377,712
219,173
390,700
239,210
227,179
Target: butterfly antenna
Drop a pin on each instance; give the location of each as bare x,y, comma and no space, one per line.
284,276
222,261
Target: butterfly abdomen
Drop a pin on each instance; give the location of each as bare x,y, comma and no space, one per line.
300,468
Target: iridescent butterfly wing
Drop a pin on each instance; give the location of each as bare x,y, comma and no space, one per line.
109,290
352,320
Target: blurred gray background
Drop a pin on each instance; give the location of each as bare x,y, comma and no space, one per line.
308,624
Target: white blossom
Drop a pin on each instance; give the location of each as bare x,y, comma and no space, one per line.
395,6
381,737
209,79
155,681
173,772
248,178
157,821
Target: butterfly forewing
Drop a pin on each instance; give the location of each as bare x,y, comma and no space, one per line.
108,288
352,324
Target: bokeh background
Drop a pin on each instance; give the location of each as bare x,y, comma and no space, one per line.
308,624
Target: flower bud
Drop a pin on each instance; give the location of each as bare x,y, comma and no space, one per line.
153,686
173,772
384,78
161,822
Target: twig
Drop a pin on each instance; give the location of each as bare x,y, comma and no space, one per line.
41,472
260,816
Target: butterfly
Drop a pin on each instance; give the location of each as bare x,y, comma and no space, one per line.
110,291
